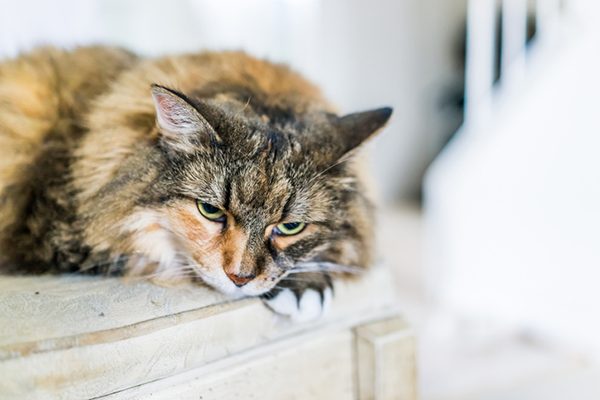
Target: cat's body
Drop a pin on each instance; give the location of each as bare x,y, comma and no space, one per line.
99,172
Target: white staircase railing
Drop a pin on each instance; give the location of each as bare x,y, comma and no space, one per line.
511,205
482,52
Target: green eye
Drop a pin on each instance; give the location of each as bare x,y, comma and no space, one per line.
211,212
290,228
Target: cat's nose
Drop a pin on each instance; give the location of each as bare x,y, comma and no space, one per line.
240,280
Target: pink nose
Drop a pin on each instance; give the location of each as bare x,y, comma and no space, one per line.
240,280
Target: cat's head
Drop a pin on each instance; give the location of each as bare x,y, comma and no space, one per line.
244,193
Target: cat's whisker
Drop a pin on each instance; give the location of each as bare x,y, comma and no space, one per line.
194,267
178,274
264,151
315,266
338,162
240,112
307,280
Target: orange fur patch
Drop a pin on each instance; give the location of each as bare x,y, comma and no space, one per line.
234,246
282,242
200,236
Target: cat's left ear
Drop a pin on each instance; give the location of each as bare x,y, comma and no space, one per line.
353,129
182,127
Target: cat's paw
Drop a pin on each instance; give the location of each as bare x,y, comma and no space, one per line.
306,298
300,307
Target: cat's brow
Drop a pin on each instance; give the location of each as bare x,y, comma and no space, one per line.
227,194
287,208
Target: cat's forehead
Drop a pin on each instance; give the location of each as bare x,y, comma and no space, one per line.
252,124
264,168
261,187
266,178
257,196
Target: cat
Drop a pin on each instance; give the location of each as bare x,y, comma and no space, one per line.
215,166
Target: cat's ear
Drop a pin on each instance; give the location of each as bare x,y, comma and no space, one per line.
182,127
353,129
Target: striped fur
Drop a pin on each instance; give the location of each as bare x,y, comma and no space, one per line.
89,181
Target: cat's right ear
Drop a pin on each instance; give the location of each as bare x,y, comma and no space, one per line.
354,129
182,128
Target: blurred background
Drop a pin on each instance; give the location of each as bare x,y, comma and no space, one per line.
489,172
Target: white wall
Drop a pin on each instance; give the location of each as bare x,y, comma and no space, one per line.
363,53
513,207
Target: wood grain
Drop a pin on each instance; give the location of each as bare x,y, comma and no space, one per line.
45,307
317,365
385,361
61,347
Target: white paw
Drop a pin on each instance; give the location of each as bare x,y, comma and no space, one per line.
309,307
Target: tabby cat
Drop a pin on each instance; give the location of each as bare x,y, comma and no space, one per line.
213,166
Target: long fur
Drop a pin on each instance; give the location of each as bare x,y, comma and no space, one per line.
88,179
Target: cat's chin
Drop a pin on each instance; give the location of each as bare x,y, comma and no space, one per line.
226,287
235,292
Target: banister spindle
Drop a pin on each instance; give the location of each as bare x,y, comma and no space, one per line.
514,38
481,22
547,19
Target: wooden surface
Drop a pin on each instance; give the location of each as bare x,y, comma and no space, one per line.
46,310
386,364
304,366
80,337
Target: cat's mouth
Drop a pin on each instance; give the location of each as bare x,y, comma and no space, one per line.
264,284
220,282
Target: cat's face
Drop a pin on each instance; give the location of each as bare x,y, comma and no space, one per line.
242,198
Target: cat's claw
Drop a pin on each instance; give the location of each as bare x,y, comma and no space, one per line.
300,306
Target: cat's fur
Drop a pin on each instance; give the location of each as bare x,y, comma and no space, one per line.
100,171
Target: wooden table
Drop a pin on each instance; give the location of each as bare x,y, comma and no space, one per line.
76,337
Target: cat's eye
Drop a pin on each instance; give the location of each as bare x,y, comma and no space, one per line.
211,212
289,228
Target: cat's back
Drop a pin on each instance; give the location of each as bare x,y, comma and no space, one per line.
125,116
47,87
43,97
